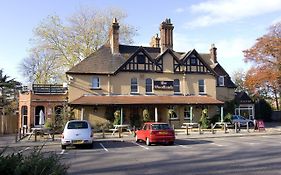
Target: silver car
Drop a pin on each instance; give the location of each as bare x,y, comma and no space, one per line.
242,120
77,132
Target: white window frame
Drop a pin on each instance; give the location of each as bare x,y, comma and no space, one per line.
134,85
221,80
204,87
96,83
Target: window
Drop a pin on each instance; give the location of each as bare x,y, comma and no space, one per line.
193,60
201,84
140,59
148,85
134,85
221,80
24,115
176,86
96,83
186,113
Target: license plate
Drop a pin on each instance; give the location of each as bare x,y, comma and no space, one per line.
77,141
163,133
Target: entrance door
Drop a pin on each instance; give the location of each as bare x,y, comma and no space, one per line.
37,115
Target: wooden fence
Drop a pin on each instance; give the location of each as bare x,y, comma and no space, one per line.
8,124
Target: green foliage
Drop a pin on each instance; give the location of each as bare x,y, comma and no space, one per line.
117,117
227,118
146,115
263,110
204,122
33,164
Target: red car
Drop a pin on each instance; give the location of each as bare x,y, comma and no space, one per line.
154,132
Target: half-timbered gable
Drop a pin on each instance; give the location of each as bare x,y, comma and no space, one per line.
193,63
140,61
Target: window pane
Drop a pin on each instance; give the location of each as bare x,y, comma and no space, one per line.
96,82
176,85
148,85
221,80
201,86
134,85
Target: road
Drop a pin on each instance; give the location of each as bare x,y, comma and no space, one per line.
224,155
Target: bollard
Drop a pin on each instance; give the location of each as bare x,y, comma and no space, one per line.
199,129
19,133
103,135
248,127
16,139
235,127
212,128
119,131
224,127
53,135
23,132
35,135
187,130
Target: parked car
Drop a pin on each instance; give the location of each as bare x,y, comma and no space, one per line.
242,120
154,132
77,132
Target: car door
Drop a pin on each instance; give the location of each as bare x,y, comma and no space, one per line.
141,133
147,131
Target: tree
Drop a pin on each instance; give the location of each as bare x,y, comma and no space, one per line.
8,91
58,45
239,77
264,79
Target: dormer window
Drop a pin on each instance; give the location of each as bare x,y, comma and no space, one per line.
221,80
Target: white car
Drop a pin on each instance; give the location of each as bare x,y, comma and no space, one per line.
242,120
77,132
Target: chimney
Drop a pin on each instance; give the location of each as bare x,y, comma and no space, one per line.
114,37
155,41
166,35
213,53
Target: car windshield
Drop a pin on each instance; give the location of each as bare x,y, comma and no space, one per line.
77,125
160,127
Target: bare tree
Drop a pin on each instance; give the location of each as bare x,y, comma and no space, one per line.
58,45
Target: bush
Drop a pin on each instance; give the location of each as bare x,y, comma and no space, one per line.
204,121
263,110
33,164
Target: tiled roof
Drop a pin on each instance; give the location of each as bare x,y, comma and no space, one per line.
126,99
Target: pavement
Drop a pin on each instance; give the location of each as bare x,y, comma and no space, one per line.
273,128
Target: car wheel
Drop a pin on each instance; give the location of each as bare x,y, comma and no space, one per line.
137,140
147,142
251,124
63,146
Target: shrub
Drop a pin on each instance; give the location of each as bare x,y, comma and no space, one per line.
204,122
32,164
263,110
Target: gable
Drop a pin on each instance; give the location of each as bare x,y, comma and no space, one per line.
193,63
140,61
167,60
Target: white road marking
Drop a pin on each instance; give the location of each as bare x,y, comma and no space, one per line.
140,145
216,144
62,151
103,147
27,148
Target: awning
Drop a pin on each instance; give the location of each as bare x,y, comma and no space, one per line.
152,99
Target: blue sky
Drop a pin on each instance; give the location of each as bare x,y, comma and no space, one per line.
232,25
